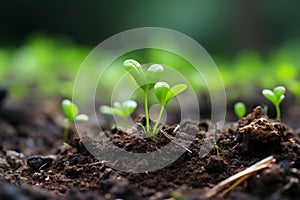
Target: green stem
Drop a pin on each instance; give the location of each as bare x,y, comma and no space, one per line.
158,121
277,113
147,112
66,132
217,149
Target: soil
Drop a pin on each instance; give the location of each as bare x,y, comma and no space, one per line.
36,164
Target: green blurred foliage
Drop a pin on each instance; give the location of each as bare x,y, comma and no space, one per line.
43,66
46,67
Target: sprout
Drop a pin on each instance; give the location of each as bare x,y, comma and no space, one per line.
148,80
265,109
145,80
240,109
72,114
276,97
164,94
123,110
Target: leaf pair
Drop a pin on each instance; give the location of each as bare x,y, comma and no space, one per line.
276,96
164,94
123,110
71,112
145,80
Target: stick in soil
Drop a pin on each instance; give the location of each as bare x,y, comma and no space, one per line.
239,177
175,140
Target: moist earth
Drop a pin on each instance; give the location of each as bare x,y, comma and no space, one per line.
36,164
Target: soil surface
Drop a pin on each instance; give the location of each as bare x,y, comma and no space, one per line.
36,164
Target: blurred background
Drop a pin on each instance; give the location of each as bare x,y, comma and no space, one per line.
222,27
255,44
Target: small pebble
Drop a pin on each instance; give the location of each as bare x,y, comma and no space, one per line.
3,163
38,162
14,159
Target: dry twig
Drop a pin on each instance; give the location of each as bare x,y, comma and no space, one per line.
173,139
239,177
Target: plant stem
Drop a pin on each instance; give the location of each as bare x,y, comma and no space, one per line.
277,112
66,132
158,121
147,112
217,149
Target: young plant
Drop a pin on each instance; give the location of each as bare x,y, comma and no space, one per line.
265,109
145,80
123,110
240,109
164,94
72,114
276,97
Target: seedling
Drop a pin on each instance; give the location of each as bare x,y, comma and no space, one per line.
177,196
164,94
215,140
72,114
240,109
276,97
124,109
212,136
145,80
217,149
265,108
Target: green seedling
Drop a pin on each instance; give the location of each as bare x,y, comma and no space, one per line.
213,135
123,110
164,94
265,109
71,112
276,97
240,109
217,149
145,80
177,196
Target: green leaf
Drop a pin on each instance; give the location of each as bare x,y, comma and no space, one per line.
130,106
70,109
280,99
164,94
240,109
136,71
133,64
153,74
161,91
175,91
118,111
123,110
106,110
117,105
269,95
278,91
82,118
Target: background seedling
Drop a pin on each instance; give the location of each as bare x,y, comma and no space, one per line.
276,97
240,109
164,94
72,114
124,109
145,80
265,108
177,196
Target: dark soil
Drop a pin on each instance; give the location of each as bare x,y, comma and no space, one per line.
36,164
